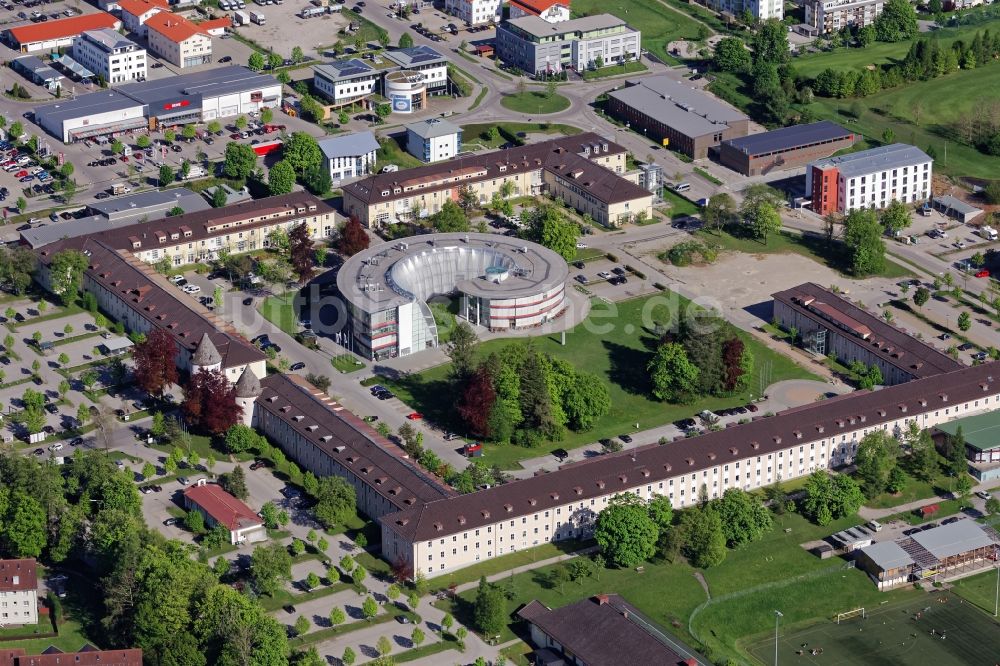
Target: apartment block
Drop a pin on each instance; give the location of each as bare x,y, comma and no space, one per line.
870,179
18,592
833,15
115,58
178,41
535,45
475,12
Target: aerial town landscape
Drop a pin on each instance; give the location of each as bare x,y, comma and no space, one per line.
499,332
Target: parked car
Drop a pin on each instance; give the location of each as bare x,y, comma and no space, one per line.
257,464
58,446
415,416
625,438
248,300
297,366
171,521
982,494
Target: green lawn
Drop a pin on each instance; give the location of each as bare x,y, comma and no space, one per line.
980,589
391,152
809,246
70,639
679,206
477,132
346,363
280,311
506,562
614,70
659,24
615,344
535,101
913,491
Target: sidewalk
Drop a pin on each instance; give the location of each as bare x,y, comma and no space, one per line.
877,514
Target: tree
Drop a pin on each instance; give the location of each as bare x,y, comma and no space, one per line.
349,657
462,351
964,321
337,616
731,55
921,296
269,566
148,471
720,210
335,501
301,252
383,646
280,178
302,625
895,217
674,377
210,401
256,61
625,532
875,459
66,275
24,529
241,438
195,521
490,610
239,160
763,220
22,204
235,483
476,404
219,197
955,447
359,574
317,180
417,637
547,226
897,22
992,506
963,488
302,152
863,237
353,238
369,608
770,43
166,175
451,218
744,517
405,41
703,536
155,361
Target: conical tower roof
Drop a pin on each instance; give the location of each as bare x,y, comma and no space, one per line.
206,354
248,386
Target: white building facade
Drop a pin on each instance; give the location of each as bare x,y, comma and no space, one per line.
475,12
345,82
870,179
829,16
18,592
433,140
350,155
115,58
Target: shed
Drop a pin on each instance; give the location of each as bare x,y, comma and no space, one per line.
484,50
956,208
928,510
116,345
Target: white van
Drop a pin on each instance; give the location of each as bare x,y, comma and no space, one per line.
682,187
875,525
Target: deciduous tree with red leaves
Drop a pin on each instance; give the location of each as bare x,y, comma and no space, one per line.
734,361
156,362
353,238
301,249
210,402
477,402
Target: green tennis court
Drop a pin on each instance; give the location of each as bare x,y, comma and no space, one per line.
939,628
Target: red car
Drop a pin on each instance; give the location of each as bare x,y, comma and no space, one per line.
415,416
983,274
21,174
124,158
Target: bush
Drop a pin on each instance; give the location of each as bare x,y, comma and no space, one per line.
688,252
612,257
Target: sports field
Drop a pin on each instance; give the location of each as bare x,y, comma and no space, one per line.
948,631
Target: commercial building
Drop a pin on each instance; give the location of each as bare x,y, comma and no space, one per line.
87,655
475,12
117,212
551,11
345,81
433,140
784,148
933,555
58,33
135,13
116,59
583,170
349,155
177,100
220,508
828,16
504,284
178,41
981,434
35,70
869,179
603,629
535,45
18,592
452,533
673,114
831,324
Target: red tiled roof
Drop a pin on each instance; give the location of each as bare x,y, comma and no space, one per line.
87,656
536,7
140,7
223,22
67,27
222,507
22,570
174,27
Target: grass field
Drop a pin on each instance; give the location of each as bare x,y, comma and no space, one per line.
891,635
476,132
679,206
391,152
784,242
535,101
659,23
980,589
615,343
614,70
279,310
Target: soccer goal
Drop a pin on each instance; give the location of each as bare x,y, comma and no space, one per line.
851,613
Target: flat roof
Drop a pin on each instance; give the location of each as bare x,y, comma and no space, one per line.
344,69
688,110
981,432
348,145
894,346
433,128
789,138
414,56
103,101
376,286
887,555
538,27
956,204
38,67
947,540
893,156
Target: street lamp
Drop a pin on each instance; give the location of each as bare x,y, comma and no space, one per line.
777,616
996,602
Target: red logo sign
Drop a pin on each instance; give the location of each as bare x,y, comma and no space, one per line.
176,105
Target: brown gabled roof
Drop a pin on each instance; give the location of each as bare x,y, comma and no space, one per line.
223,507
18,575
563,157
604,629
88,655
892,345
650,464
66,27
350,441
157,301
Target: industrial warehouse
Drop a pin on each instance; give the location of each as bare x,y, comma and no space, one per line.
178,100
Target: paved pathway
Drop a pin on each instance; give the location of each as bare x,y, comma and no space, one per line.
978,504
